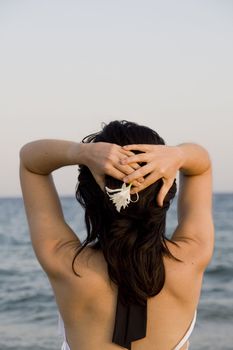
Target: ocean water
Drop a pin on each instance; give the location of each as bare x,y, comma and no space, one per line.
28,313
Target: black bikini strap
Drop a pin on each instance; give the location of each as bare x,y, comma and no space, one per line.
130,323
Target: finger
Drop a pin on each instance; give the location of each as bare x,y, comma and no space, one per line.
121,154
135,166
137,158
127,153
163,191
119,175
148,181
139,173
136,183
132,165
127,169
137,147
114,172
119,151
136,189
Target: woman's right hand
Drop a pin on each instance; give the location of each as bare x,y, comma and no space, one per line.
162,162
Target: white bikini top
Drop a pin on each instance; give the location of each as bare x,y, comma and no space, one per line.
188,333
65,346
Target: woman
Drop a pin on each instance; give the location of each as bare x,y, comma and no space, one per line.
127,285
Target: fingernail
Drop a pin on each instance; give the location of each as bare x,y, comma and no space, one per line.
125,179
141,179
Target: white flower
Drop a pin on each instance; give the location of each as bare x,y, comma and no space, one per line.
121,196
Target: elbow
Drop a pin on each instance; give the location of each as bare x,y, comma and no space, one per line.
208,160
23,153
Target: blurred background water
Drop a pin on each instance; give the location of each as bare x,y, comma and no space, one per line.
28,313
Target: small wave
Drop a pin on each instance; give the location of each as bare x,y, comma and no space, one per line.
220,270
216,311
11,241
29,302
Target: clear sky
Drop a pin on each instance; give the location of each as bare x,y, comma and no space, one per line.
66,66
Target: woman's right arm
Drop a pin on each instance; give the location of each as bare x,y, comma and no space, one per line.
195,223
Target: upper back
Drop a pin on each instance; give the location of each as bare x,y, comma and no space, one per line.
88,304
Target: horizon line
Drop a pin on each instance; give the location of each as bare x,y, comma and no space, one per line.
73,195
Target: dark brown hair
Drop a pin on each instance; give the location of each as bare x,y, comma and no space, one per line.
133,241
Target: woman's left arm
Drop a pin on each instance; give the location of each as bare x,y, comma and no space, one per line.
38,159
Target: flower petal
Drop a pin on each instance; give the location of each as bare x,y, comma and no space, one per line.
121,196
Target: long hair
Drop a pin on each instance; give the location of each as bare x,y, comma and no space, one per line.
133,241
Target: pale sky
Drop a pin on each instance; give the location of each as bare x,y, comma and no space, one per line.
67,66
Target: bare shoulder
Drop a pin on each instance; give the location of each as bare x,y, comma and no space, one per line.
88,263
91,282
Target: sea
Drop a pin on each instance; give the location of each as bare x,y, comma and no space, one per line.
28,312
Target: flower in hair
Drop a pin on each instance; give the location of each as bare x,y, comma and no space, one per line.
120,196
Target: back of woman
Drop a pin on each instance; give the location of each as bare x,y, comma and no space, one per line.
126,285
